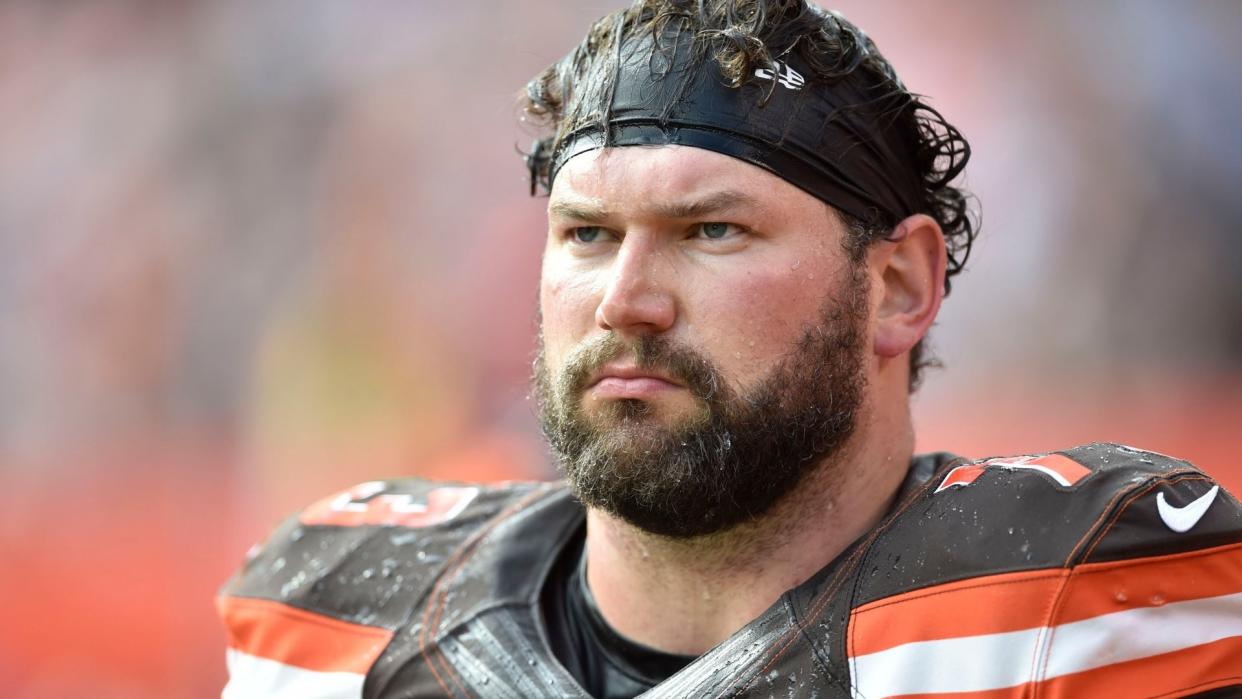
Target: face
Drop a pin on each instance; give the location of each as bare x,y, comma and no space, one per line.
702,338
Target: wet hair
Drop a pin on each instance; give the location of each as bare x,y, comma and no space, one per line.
576,94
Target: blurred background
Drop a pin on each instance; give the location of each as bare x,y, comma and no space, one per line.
252,252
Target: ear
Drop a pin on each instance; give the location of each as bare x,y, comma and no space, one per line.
908,280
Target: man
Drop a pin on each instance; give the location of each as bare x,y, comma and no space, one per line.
751,228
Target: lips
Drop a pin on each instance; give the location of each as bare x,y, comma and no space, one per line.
630,382
628,373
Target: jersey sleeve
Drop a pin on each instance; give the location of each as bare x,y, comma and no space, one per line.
314,607
1096,571
1154,606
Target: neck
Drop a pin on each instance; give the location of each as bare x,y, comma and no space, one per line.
687,595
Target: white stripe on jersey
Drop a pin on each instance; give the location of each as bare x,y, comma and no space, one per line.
251,677
1144,632
995,661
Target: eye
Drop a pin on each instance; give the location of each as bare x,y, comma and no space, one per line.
716,230
588,234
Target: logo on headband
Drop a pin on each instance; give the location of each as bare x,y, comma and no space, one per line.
783,74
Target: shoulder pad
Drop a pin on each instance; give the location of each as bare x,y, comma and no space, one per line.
1093,571
368,555
1054,510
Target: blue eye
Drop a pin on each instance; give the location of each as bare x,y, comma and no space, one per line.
715,230
587,234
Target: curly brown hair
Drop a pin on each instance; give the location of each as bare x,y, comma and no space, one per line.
740,36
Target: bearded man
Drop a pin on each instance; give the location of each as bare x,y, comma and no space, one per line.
751,227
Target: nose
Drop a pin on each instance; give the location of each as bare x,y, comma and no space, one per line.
637,299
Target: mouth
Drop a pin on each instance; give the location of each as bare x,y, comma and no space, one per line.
620,382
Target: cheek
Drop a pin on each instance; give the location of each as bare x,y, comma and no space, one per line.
759,315
567,304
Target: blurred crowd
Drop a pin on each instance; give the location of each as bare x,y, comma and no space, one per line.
254,252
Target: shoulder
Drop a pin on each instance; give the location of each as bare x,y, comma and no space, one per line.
1046,511
1089,503
1086,571
332,585
352,540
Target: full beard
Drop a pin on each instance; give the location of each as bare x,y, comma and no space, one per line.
737,455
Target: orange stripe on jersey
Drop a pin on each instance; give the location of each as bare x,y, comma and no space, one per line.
1061,469
1067,468
973,607
1013,601
1084,630
1200,632
961,475
295,637
1103,588
1198,668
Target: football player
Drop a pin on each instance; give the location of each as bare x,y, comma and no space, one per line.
751,226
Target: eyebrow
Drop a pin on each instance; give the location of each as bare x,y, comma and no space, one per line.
713,203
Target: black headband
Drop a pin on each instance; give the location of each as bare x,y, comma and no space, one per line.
831,140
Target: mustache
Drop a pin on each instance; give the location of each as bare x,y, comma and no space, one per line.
650,352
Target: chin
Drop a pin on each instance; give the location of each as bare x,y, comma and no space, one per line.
642,417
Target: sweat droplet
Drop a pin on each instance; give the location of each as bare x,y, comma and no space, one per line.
796,264
1157,600
1120,596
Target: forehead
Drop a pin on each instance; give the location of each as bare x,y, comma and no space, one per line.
660,178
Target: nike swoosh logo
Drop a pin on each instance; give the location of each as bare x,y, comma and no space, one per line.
1181,519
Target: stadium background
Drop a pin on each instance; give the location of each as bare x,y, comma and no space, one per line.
254,252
